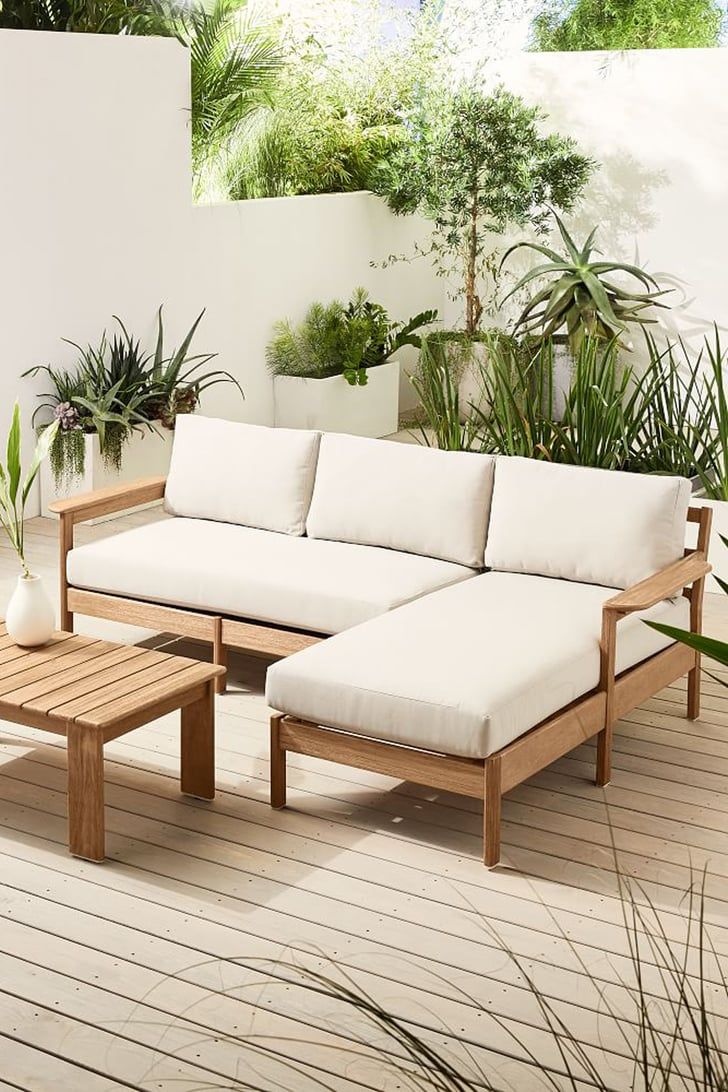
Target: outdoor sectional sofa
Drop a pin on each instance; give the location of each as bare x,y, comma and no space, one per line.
454,619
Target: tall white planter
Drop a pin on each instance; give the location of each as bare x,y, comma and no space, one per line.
717,552
146,455
333,405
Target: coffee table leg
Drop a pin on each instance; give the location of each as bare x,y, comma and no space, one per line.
86,792
198,746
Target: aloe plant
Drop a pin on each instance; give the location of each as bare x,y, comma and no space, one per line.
580,297
175,382
13,496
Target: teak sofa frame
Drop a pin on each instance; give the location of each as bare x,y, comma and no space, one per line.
486,779
593,715
222,632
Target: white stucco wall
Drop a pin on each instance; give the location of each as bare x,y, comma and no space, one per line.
96,215
96,219
657,122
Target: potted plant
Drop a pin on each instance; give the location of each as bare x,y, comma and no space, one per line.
476,165
116,408
712,467
334,370
579,297
29,618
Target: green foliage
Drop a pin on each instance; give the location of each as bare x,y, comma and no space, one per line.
67,456
91,16
681,432
341,339
517,415
668,418
443,356
336,117
476,164
117,388
315,146
628,24
578,297
708,646
235,62
175,383
601,417
707,433
13,497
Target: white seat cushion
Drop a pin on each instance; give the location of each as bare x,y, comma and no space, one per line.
597,526
402,496
246,474
282,579
468,669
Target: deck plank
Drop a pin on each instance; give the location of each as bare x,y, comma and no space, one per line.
114,976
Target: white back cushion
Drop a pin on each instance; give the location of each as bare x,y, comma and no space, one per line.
595,526
402,496
246,474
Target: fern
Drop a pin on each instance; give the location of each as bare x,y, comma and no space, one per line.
338,339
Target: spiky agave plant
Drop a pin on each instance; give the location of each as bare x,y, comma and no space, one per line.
175,382
580,297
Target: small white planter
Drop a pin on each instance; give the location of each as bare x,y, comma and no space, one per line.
333,405
146,455
717,552
29,617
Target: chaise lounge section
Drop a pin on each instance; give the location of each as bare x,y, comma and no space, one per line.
482,616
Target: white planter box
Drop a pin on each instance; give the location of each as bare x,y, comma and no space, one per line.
333,405
146,455
717,552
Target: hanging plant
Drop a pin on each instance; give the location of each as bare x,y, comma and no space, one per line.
67,456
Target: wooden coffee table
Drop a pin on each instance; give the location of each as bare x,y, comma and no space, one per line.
93,691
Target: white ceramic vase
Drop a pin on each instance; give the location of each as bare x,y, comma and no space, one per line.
30,619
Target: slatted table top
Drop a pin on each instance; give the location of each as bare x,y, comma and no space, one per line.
76,679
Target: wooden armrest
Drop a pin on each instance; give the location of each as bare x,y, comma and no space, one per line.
116,498
667,582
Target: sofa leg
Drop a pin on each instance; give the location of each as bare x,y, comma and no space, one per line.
492,812
219,657
604,756
65,538
694,690
277,764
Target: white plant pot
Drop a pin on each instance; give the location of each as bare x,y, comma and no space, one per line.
145,455
472,396
333,405
563,371
717,552
29,618
471,393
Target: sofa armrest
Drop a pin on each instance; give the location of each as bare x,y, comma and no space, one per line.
116,498
661,585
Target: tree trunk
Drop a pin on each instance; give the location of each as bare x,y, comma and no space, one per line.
473,306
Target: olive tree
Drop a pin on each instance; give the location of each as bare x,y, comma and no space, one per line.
477,164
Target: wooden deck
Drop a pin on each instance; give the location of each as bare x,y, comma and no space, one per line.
177,963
